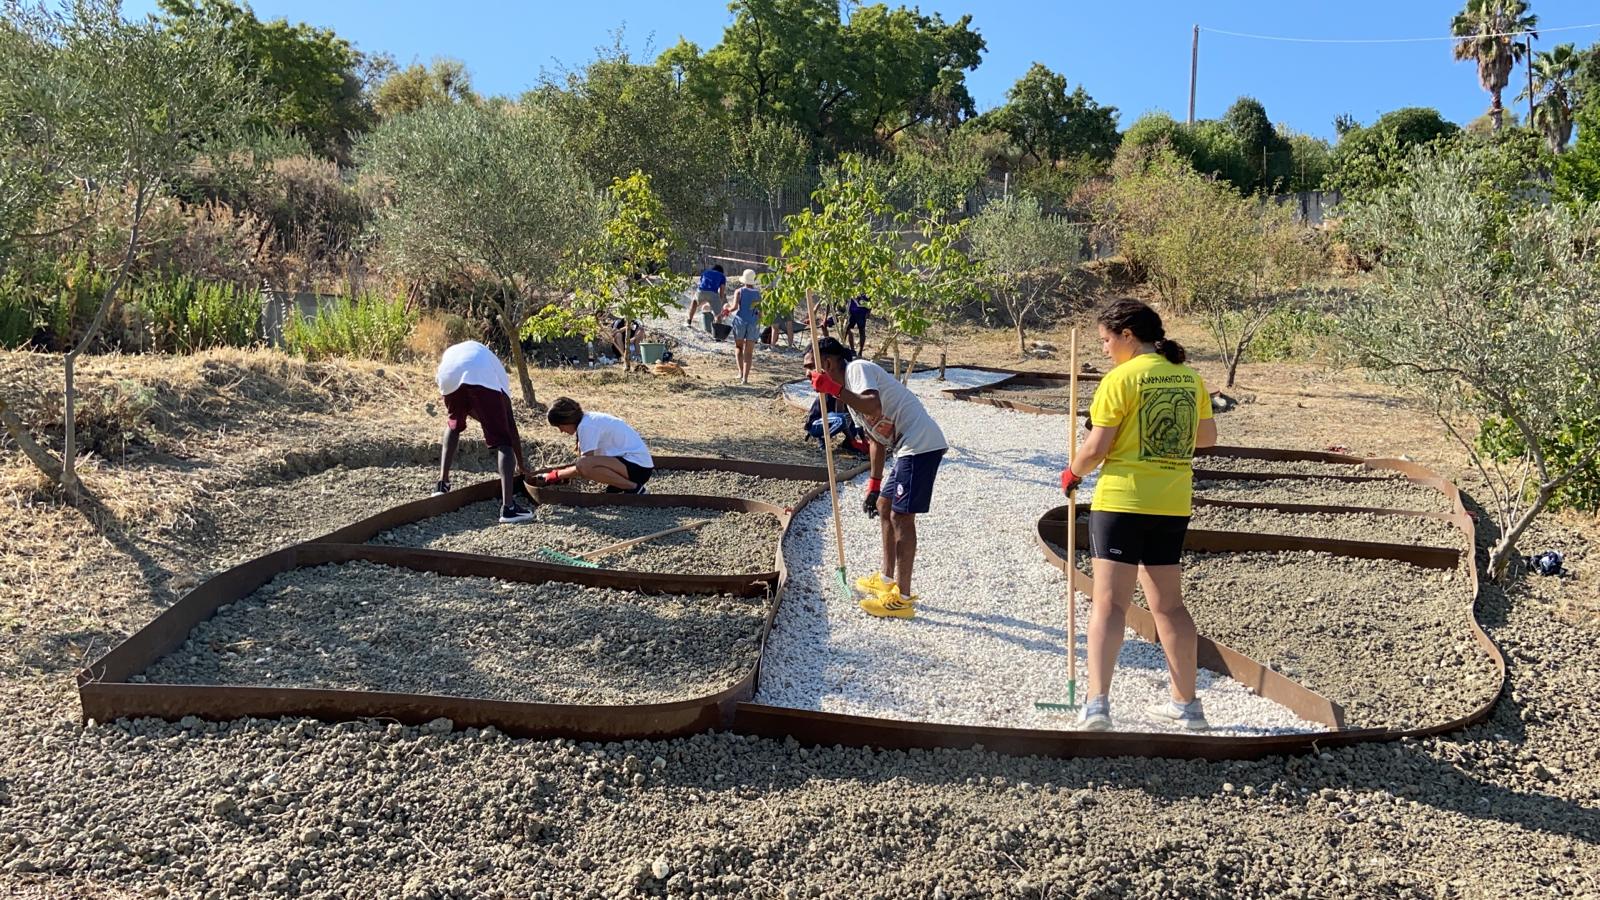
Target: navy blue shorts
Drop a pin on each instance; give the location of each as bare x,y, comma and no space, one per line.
909,485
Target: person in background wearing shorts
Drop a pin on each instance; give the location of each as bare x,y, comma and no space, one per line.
1150,413
474,385
855,324
895,422
713,292
610,452
746,322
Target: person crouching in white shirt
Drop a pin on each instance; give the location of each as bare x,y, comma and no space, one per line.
610,452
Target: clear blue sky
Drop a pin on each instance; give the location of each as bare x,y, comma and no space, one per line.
1132,55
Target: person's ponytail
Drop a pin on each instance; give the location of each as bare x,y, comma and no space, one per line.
1172,350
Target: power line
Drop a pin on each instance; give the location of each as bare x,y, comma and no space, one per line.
1417,40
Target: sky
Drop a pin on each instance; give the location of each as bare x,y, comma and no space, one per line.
1133,54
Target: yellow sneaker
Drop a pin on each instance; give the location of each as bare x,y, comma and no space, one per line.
890,603
872,585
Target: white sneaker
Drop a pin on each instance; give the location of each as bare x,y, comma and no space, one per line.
1096,715
1186,715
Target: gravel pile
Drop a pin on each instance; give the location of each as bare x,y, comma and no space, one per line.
1386,639
1390,494
359,626
782,492
1048,398
989,636
732,544
1288,466
1342,526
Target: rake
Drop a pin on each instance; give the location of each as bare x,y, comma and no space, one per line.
586,560
1072,549
827,449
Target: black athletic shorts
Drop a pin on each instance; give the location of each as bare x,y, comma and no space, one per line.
636,473
1137,538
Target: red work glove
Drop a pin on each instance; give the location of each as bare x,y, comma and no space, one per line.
825,385
552,477
1069,481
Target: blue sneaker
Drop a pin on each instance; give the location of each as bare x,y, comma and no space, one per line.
1096,715
1185,715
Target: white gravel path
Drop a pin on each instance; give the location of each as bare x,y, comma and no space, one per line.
987,640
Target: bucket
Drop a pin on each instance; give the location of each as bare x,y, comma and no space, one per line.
650,353
721,331
707,320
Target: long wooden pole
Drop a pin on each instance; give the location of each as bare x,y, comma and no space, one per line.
827,443
1072,529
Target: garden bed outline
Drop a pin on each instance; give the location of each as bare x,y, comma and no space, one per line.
105,693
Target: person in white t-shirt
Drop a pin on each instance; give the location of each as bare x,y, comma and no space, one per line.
610,452
474,385
899,426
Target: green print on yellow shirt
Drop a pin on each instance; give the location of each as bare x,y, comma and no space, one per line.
1156,407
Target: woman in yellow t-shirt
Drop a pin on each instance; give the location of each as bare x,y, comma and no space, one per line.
1149,415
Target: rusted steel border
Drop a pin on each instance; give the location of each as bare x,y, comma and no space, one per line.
982,393
816,728
105,693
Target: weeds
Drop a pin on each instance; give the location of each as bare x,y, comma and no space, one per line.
369,326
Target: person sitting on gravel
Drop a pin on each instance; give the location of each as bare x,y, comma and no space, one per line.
839,422
713,292
474,385
894,420
610,452
1150,413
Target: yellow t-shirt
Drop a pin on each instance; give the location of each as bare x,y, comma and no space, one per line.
1156,407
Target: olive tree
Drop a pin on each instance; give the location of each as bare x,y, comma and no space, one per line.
484,190
1026,254
1483,306
119,108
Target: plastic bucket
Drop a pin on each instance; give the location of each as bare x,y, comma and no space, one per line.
650,353
707,320
721,331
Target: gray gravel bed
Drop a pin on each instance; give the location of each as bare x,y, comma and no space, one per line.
1342,526
777,491
1049,398
1390,494
360,626
1291,466
732,544
1386,639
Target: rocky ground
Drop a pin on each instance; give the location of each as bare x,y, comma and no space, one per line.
729,544
777,491
1388,494
1510,807
1340,526
360,626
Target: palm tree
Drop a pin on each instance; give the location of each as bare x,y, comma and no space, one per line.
1485,29
1553,74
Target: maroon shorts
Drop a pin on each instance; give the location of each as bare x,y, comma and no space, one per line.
492,409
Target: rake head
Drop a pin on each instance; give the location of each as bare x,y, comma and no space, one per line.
1070,706
556,556
844,584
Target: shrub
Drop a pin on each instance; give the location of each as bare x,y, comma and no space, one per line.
435,332
1292,332
1568,449
46,304
183,314
369,326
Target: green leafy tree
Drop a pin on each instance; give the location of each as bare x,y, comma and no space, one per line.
846,83
769,157
619,268
484,192
312,76
1311,159
1371,158
1484,308
1577,171
1050,124
938,167
407,90
623,117
1555,73
1210,146
1026,255
1486,33
126,108
1263,148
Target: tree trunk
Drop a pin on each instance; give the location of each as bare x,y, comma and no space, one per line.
30,448
1496,110
1506,547
911,364
1233,365
1022,339
518,360
69,448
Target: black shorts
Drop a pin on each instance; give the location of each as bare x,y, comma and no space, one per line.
636,473
1137,538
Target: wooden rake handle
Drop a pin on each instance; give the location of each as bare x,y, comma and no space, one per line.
1072,521
623,545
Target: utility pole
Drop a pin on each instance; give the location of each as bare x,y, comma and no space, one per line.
1194,69
1530,79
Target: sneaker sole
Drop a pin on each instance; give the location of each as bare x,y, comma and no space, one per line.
1095,725
907,613
516,520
